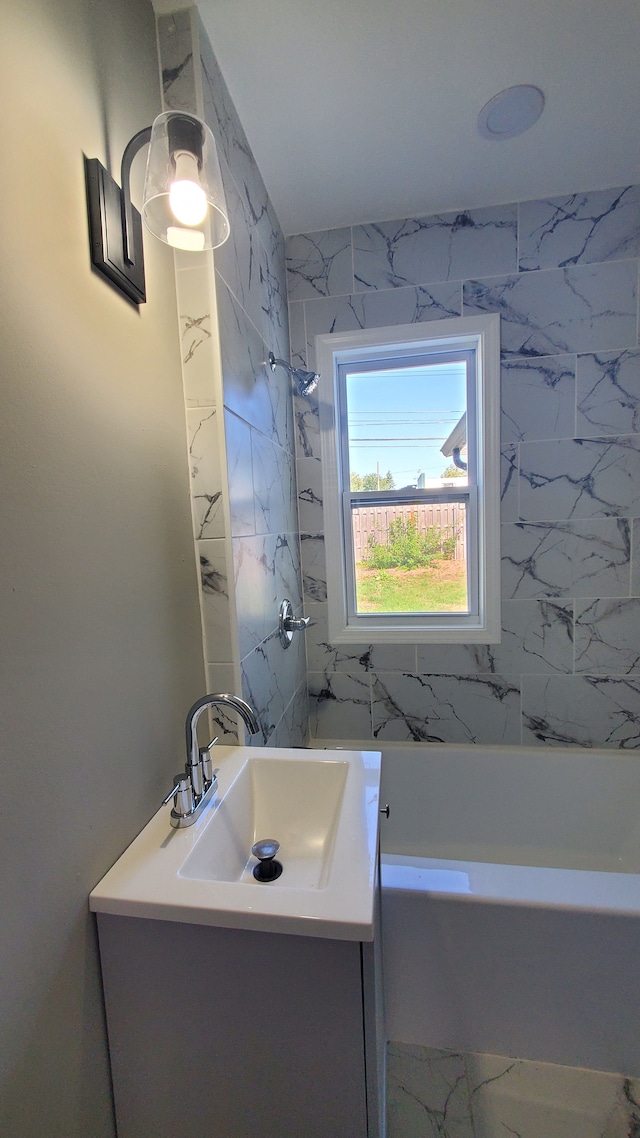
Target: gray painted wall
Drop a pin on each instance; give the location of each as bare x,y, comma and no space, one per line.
100,630
563,275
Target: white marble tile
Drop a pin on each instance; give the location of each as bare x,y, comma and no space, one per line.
251,318
206,472
581,478
238,260
255,591
449,246
544,1100
216,609
307,425
200,378
570,559
446,709
583,711
379,309
608,637
293,728
266,571
297,337
275,317
509,481
239,475
603,225
538,398
635,558
410,305
322,656
270,677
219,111
427,1094
221,115
450,1094
221,678
314,568
608,393
274,486
255,393
623,1119
537,637
339,706
330,314
310,511
583,308
176,57
288,571
319,264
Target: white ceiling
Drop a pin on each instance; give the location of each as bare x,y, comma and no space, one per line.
365,110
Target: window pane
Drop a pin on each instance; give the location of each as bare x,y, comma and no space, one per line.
403,424
411,558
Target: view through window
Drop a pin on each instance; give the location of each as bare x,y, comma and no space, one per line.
407,466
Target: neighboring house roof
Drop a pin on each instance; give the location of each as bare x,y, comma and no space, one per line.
457,439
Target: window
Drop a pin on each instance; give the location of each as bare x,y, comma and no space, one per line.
410,451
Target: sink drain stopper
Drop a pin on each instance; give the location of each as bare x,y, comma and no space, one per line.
267,869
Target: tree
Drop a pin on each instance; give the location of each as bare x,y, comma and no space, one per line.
453,472
407,548
370,481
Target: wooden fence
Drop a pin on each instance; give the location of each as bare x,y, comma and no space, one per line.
447,516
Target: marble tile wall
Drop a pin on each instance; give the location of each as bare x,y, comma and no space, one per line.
233,310
447,1094
563,275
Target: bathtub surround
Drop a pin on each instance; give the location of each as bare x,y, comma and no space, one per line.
453,1094
511,902
233,311
563,275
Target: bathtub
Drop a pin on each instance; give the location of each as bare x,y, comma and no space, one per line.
511,901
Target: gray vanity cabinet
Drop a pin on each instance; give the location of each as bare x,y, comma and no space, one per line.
227,1033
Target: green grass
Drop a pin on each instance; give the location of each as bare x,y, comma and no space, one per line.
440,588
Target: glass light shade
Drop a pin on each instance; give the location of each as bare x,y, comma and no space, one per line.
183,201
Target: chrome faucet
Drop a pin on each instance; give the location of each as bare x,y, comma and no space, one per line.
193,789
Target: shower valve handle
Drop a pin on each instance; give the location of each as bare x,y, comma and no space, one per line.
288,623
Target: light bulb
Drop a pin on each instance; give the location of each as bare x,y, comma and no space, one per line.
187,199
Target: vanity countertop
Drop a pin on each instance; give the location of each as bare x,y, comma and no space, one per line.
202,874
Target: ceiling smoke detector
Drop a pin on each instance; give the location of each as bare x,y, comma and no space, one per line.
511,112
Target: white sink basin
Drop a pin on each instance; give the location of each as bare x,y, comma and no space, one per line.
321,806
295,802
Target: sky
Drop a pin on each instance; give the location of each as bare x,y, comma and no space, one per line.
401,417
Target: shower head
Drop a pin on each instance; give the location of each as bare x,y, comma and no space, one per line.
305,381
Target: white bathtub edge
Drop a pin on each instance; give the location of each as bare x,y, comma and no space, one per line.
570,889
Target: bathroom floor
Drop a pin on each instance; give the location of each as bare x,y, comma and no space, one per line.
448,1094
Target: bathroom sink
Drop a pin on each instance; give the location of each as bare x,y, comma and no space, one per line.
295,802
321,806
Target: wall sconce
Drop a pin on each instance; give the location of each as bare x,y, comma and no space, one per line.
183,202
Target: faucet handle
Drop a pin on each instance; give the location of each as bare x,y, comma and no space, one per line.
207,761
182,793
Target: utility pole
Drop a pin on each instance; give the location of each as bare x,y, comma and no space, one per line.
378,473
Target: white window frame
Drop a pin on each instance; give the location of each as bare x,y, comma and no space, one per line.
481,625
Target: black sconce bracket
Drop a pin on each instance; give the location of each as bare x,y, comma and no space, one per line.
115,225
